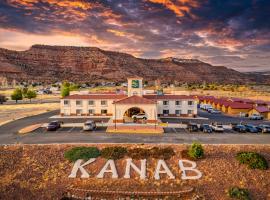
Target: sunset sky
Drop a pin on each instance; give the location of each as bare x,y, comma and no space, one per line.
233,33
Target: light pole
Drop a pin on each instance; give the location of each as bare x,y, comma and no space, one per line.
114,115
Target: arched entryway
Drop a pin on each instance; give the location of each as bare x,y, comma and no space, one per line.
134,114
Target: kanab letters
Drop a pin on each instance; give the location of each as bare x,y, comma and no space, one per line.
140,170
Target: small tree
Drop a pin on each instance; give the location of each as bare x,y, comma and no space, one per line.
196,150
31,94
65,91
24,91
17,95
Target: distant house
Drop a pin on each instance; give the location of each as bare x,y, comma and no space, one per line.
262,110
235,108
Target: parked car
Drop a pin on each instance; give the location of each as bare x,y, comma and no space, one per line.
139,116
256,117
54,125
239,128
251,128
206,128
209,110
263,128
214,111
217,127
89,125
192,127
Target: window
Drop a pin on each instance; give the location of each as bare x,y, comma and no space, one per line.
178,103
135,93
103,103
103,112
91,111
91,103
78,111
78,103
66,102
178,112
190,103
165,103
165,112
190,112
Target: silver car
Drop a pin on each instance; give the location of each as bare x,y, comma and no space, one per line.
89,125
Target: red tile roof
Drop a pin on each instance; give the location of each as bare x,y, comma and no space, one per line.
168,97
237,105
262,109
135,100
95,96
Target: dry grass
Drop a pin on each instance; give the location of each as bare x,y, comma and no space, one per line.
13,112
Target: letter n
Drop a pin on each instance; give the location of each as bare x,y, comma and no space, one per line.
141,171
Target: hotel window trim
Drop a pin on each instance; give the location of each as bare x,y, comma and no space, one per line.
165,103
178,103
104,111
103,103
91,102
190,103
78,103
66,102
91,111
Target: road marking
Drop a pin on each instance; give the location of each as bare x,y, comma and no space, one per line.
71,129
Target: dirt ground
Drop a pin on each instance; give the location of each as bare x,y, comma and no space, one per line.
12,112
41,172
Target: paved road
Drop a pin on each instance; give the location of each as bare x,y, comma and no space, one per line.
76,135
221,118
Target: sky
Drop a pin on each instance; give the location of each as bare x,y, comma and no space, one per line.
231,33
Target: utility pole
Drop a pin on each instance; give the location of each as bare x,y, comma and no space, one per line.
114,115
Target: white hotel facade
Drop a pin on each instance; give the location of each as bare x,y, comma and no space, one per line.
121,107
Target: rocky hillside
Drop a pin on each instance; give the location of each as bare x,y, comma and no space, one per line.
90,64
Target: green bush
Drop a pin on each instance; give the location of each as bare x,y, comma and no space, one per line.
252,159
84,153
114,153
162,153
138,153
196,150
239,193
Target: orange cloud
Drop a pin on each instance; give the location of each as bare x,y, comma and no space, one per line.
130,36
179,7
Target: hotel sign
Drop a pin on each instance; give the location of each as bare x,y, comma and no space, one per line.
161,168
135,83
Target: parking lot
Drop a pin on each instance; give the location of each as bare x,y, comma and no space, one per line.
68,130
212,118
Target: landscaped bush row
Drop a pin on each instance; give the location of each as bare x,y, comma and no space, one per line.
253,160
118,152
239,193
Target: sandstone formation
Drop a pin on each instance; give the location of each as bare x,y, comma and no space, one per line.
89,64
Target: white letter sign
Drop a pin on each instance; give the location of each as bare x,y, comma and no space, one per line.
165,171
141,171
77,166
111,170
191,168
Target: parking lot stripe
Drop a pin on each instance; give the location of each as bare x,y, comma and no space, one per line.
71,129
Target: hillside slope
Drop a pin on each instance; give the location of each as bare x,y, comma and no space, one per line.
90,64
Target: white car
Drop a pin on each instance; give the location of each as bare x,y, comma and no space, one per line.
139,116
89,125
255,117
217,127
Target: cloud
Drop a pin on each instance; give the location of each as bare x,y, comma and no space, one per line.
232,33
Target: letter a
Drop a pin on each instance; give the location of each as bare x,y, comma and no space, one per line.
191,168
141,171
111,170
165,171
77,166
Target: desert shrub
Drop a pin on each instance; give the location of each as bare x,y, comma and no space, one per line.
252,159
196,150
162,153
138,153
84,153
114,153
239,193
